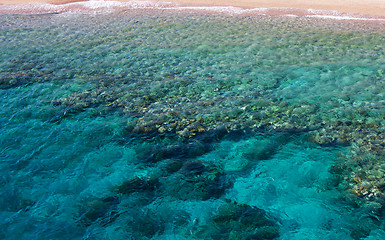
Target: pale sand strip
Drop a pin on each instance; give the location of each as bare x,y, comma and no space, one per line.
366,7
40,1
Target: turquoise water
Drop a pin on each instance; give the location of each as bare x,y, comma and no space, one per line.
170,125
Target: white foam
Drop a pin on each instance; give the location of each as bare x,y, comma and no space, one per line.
290,15
220,9
101,4
335,15
344,17
93,6
322,12
108,6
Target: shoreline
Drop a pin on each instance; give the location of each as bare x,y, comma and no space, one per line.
366,8
353,8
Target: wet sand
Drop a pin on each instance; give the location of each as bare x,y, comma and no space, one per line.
364,7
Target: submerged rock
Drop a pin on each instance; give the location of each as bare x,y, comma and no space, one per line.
137,185
182,151
195,181
240,221
9,83
151,222
193,168
171,165
264,233
103,210
242,214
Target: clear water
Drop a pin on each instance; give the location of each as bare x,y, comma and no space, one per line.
170,125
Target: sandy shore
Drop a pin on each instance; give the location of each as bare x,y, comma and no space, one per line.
365,7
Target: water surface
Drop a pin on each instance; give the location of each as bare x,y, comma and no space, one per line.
178,125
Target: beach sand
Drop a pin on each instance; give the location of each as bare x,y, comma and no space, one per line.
364,7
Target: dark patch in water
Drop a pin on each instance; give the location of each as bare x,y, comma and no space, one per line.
242,221
137,185
195,181
102,210
192,168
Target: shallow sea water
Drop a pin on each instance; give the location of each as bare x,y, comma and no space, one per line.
178,125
